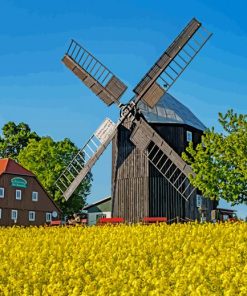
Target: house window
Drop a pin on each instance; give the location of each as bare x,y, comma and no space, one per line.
48,217
14,214
18,194
98,216
188,136
31,216
1,192
35,196
0,213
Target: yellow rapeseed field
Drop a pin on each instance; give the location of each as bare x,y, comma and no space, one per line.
182,259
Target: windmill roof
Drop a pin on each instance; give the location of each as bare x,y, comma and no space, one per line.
170,110
10,166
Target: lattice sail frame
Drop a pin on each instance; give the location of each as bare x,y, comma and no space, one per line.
94,74
172,63
83,161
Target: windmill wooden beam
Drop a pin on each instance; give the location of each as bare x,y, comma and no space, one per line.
94,74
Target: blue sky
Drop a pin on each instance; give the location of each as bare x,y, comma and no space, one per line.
127,36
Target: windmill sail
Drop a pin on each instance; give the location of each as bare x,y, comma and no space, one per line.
172,63
94,74
84,160
163,157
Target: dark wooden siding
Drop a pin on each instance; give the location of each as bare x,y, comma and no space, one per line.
164,200
139,190
129,178
41,207
175,135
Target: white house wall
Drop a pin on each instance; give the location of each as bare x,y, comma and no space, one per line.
92,217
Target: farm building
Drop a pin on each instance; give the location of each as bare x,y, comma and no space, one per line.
99,209
139,189
23,200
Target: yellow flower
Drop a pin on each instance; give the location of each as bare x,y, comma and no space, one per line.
178,259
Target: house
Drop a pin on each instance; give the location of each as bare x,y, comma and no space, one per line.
99,209
23,200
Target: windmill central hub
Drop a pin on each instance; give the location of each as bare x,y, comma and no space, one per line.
128,110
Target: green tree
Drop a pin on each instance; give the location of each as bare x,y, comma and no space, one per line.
14,138
220,161
47,159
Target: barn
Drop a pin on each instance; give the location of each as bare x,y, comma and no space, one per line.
138,188
23,200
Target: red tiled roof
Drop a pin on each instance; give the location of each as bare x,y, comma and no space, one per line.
9,166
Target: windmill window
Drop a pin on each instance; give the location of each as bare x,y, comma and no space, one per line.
0,213
198,201
35,196
14,214
31,216
1,192
188,136
18,194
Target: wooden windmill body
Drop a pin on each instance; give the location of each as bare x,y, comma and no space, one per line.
138,189
149,177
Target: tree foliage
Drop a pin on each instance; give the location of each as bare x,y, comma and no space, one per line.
47,159
220,160
14,138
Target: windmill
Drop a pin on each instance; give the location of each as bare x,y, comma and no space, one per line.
151,146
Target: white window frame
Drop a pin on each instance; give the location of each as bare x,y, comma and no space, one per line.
31,216
189,136
2,195
100,215
35,196
19,191
1,213
14,217
48,217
